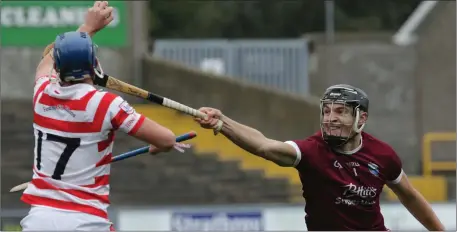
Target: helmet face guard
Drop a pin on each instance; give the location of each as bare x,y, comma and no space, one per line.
347,96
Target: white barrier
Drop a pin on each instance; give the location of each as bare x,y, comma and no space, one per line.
256,218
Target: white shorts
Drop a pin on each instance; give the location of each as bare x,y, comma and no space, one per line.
45,218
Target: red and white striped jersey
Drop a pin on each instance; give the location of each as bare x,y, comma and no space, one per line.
74,131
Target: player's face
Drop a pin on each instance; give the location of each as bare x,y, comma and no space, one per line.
337,119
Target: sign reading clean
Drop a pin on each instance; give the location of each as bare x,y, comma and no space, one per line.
37,23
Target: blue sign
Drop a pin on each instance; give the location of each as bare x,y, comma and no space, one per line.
217,221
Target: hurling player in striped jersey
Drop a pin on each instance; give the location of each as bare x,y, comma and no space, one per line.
74,127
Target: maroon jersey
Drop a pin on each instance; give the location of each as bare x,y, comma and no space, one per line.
342,191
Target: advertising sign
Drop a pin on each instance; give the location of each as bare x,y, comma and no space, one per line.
258,218
217,221
37,23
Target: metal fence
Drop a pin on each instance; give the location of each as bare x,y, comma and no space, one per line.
277,64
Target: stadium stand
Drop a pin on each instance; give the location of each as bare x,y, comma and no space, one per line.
170,179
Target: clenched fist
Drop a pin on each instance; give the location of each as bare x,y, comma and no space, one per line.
213,117
98,16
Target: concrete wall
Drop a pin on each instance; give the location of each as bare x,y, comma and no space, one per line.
386,73
277,115
411,89
18,66
436,76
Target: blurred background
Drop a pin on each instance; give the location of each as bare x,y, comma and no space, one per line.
265,64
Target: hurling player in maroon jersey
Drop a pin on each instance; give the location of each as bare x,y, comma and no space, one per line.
342,169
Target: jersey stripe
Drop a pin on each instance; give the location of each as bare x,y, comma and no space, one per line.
78,127
297,151
120,117
102,145
38,200
105,160
99,186
42,184
137,125
36,171
78,104
99,181
39,91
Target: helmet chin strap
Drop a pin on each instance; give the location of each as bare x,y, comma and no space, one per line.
99,73
355,126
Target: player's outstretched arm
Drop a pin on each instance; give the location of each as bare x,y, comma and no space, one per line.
416,204
161,138
124,117
250,139
97,17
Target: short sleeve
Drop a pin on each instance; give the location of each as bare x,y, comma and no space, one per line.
124,117
394,169
302,149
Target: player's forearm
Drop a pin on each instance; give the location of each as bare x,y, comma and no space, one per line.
422,211
245,137
85,28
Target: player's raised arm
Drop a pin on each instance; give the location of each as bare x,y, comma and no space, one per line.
97,17
251,139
